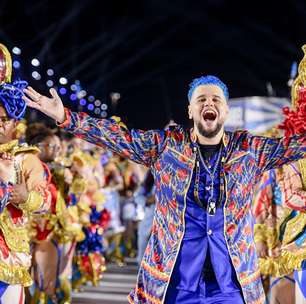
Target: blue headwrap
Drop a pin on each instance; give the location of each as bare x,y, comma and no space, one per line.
11,98
207,80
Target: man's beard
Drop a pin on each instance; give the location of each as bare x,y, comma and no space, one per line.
211,133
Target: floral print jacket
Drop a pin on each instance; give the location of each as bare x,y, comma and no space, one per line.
171,155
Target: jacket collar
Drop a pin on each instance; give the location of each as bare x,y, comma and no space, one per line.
225,137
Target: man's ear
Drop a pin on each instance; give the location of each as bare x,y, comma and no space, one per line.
189,113
16,123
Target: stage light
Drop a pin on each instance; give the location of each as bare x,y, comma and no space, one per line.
36,75
77,82
63,80
97,111
73,87
97,103
90,107
115,95
73,97
49,83
16,64
91,98
82,94
103,114
35,62
62,91
50,72
16,50
82,102
104,106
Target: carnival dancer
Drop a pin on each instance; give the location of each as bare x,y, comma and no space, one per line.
89,256
54,235
23,189
201,248
280,211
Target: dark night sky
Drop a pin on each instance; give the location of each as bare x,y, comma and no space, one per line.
149,51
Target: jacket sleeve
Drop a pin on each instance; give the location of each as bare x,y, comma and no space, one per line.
275,152
33,174
140,146
262,210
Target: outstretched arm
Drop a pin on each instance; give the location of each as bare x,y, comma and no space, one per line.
275,152
140,146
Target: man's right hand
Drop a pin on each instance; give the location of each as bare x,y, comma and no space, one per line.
52,107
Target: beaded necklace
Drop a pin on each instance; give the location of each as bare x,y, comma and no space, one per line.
211,204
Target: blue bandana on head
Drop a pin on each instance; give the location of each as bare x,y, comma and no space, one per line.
207,80
11,98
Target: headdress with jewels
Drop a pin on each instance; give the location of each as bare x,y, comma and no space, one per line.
10,92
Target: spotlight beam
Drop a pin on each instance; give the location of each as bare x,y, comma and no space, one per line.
128,35
70,16
108,48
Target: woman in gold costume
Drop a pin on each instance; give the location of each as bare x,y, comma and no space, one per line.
23,190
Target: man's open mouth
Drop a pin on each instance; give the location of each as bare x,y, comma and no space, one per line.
209,115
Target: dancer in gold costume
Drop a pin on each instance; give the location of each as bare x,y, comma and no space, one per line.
55,234
280,208
89,258
23,190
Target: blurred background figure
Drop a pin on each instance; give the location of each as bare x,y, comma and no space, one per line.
54,235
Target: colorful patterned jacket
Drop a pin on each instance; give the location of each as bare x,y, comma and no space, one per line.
171,154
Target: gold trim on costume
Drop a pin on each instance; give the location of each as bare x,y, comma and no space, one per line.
7,147
33,202
282,265
263,233
294,227
16,238
300,81
15,275
23,148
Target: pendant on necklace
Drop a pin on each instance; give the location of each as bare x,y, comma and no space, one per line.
211,207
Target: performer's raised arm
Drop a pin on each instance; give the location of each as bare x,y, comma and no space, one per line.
140,146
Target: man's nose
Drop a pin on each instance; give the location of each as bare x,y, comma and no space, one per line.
208,102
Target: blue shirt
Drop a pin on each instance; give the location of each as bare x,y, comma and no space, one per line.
203,258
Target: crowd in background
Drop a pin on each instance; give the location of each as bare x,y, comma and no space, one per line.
101,211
